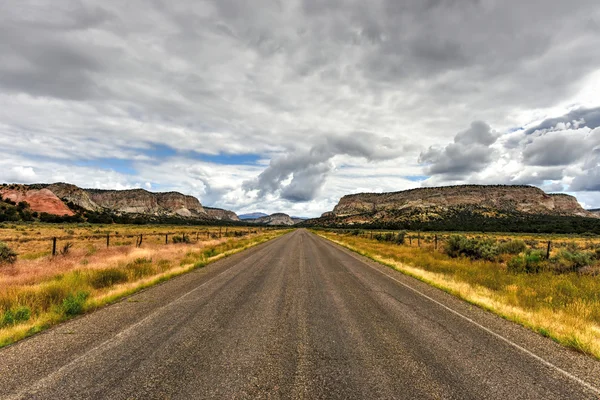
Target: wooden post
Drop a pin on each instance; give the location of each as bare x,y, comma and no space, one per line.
435,242
548,250
371,235
220,232
419,239
53,246
107,240
167,238
197,233
226,229
410,240
141,239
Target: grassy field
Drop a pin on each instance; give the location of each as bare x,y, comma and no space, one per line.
558,297
39,290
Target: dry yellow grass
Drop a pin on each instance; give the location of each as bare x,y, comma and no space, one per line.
565,307
38,293
34,240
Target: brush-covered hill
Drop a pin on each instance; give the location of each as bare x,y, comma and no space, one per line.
466,207
66,202
276,219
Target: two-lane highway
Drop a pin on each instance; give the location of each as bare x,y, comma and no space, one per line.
298,318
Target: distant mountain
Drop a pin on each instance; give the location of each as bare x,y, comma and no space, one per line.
595,211
253,215
463,207
272,220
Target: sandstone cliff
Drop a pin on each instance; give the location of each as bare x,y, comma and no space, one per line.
74,195
220,214
67,199
140,201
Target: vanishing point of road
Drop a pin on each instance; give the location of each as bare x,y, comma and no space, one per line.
295,318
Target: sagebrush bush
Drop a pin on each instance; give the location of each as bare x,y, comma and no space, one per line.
7,255
390,237
572,261
531,262
512,247
476,249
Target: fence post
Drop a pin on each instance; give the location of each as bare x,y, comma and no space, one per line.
219,232
53,246
107,240
410,240
419,239
167,238
141,239
435,241
548,250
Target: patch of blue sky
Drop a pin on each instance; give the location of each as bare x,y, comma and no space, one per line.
416,178
120,165
161,151
229,159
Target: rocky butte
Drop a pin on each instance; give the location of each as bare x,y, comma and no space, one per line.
439,203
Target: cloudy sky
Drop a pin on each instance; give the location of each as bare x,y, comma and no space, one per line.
270,105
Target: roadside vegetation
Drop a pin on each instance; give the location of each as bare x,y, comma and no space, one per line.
38,290
554,290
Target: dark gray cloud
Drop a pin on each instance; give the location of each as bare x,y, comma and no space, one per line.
589,117
589,178
470,152
556,148
308,169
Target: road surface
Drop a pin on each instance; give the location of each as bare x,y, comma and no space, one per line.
294,318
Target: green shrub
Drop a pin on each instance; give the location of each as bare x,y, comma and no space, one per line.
7,255
512,247
22,314
73,303
211,252
107,277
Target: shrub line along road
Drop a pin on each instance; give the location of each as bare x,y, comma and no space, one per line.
297,317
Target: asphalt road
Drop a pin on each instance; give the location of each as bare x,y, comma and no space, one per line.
298,318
